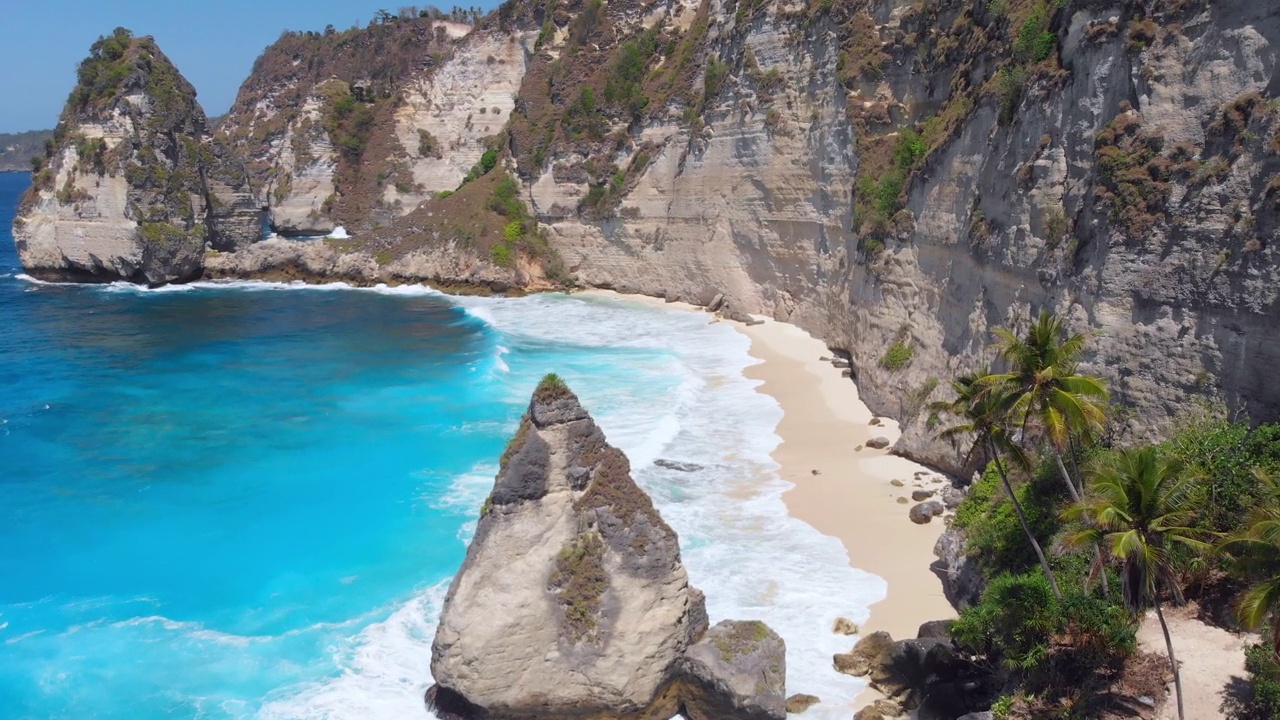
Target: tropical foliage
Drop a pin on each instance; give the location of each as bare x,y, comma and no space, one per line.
1059,515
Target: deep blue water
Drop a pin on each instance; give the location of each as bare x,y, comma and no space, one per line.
246,501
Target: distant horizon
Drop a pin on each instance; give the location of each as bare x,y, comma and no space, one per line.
42,44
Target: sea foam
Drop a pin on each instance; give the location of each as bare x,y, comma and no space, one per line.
689,402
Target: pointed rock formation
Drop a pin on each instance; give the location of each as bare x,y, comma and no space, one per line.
123,192
573,600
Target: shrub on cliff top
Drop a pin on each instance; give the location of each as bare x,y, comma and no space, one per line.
551,387
100,75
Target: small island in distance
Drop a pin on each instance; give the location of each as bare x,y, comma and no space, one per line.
17,149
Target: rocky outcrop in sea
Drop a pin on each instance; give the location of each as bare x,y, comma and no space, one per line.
573,601
130,187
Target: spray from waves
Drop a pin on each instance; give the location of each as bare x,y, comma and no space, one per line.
465,495
386,669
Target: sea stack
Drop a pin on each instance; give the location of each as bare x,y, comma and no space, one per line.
123,190
573,601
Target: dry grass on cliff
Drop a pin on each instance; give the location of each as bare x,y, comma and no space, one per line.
485,215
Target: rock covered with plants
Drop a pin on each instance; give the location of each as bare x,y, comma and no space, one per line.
122,191
573,600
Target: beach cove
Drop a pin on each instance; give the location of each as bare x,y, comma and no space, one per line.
323,386
841,487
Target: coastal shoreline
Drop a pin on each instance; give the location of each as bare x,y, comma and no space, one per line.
850,496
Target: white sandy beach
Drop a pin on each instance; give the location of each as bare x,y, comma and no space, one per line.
851,495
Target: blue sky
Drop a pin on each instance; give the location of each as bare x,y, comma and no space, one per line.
214,44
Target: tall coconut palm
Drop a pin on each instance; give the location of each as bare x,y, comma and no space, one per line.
1140,505
977,404
1048,396
1255,551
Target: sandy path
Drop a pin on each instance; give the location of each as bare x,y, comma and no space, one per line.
1211,660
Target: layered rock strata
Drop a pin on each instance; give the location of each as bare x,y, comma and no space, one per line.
123,192
897,178
573,601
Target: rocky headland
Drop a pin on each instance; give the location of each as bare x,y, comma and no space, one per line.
573,602
894,177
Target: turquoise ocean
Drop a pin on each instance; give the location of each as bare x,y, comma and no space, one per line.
246,500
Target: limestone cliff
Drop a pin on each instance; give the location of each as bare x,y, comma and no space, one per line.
895,176
573,601
358,127
906,175
122,192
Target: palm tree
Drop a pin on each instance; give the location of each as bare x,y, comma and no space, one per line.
978,404
1047,393
1140,506
1256,553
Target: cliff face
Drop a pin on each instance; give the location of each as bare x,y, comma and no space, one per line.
119,196
122,191
359,127
896,177
909,175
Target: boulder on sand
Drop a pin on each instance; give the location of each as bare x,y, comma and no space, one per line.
573,600
925,511
865,653
798,703
736,670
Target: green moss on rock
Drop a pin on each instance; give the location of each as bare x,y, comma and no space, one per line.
612,489
579,581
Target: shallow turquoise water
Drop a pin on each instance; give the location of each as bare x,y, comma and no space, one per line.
239,501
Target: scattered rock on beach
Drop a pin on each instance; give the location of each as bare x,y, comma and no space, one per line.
798,703
866,652
903,501
816,471
846,373
716,302
896,483
888,707
859,448
952,497
875,421
962,581
878,443
676,465
921,495
840,363
935,629
925,511
845,626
